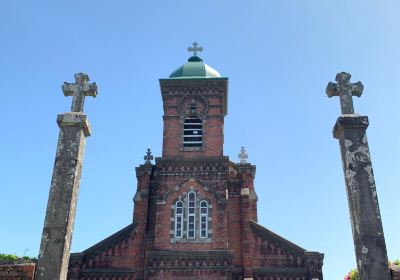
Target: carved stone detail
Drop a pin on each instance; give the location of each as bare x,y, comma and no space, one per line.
165,167
207,188
199,261
189,100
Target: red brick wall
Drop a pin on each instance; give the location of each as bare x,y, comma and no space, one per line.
164,213
235,237
24,271
212,117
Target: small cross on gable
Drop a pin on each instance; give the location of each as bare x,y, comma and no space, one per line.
243,156
195,49
345,90
148,157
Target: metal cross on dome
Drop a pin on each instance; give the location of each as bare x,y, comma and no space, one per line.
195,49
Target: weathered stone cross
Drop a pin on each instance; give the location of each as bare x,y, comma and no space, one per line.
345,90
195,49
79,90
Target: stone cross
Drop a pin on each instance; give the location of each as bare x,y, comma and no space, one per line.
79,90
195,49
345,90
148,157
365,217
58,226
243,156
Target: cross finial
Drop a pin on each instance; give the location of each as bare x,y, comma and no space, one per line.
243,156
195,49
345,90
148,157
79,90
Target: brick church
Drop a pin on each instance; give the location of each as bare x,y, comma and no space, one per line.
195,210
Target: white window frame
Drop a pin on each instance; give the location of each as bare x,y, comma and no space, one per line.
180,217
191,215
205,216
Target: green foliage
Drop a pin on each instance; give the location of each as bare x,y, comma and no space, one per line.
352,275
8,257
395,262
13,257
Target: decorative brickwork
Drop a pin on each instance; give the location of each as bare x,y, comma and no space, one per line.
195,213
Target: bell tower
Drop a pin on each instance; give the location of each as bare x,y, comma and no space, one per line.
195,209
195,104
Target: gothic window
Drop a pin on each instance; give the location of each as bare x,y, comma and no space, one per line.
191,215
203,219
178,219
192,132
191,219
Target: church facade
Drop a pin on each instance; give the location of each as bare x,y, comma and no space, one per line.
195,210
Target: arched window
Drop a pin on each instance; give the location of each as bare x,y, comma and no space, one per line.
203,219
191,215
178,219
191,219
192,132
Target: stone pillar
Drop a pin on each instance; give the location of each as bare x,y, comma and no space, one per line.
141,215
248,198
60,214
369,241
314,262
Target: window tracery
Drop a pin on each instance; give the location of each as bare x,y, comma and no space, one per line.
191,218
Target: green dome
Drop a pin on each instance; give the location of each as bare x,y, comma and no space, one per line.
194,68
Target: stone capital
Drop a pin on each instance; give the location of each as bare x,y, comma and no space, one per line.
349,121
77,119
144,169
247,168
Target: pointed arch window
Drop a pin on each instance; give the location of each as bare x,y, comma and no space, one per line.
193,132
191,224
203,219
191,220
178,219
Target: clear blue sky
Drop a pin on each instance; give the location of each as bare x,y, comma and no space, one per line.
279,57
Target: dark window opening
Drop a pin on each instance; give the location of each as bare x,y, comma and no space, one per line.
193,132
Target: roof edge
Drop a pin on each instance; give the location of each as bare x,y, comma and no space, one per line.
260,230
118,235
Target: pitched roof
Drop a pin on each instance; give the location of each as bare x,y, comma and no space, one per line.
110,241
263,232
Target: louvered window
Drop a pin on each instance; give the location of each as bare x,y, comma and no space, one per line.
192,133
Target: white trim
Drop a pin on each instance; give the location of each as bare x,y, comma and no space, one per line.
205,215
189,215
180,215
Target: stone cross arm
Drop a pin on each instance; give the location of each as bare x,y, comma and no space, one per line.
79,90
345,90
